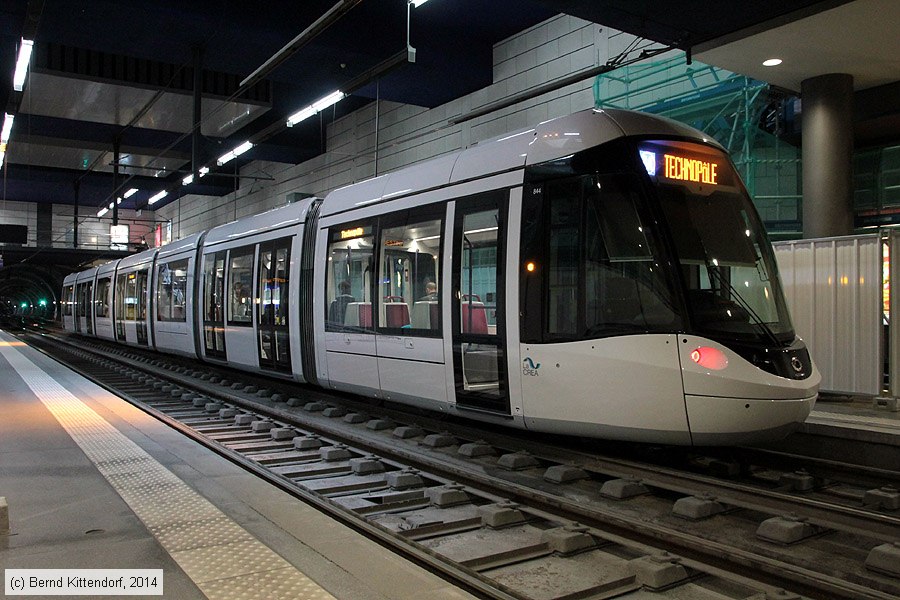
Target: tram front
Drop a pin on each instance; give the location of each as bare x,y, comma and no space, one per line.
745,372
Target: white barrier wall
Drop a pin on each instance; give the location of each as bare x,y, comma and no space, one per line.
834,292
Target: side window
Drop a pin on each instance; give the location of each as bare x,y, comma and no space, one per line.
67,301
131,297
102,297
563,261
120,296
602,276
240,286
274,286
214,287
409,273
82,299
625,288
171,295
348,280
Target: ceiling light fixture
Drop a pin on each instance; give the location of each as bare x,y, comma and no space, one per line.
190,178
157,197
234,153
316,107
7,127
130,193
102,211
22,64
772,62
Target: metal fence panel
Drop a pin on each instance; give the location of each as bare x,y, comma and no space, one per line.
834,292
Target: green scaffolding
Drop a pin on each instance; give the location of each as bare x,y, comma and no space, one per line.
728,107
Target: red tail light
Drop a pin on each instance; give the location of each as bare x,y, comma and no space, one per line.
710,358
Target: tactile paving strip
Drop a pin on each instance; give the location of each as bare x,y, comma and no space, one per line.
221,557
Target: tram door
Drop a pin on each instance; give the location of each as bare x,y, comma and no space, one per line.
214,304
141,280
273,336
86,309
478,311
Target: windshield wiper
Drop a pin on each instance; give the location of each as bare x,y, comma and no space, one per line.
746,306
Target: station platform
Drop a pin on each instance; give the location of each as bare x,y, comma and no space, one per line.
854,419
94,483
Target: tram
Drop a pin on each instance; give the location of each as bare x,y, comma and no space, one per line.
603,274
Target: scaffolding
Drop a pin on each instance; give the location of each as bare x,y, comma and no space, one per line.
741,113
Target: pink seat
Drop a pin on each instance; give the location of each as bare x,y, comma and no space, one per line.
396,314
474,318
365,315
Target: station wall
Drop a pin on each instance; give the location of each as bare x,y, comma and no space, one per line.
92,232
409,134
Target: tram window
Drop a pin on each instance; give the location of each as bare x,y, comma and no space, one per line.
625,288
240,285
120,297
273,282
478,278
214,287
171,293
564,269
601,276
66,302
84,299
409,276
132,300
348,283
102,297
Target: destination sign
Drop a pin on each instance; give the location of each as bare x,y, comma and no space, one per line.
346,234
690,169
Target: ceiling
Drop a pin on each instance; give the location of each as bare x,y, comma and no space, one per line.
107,72
861,38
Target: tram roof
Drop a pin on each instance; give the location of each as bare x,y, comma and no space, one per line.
548,141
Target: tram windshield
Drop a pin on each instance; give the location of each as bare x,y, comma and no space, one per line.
726,259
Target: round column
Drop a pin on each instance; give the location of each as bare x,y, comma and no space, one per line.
827,155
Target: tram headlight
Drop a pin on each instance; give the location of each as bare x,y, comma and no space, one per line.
710,358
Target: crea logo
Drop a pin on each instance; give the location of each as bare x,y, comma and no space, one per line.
529,367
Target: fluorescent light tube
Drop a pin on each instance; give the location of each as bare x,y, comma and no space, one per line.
157,197
22,64
102,211
316,107
130,193
234,153
7,127
330,99
300,116
203,171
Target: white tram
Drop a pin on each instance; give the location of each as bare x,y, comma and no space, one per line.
603,274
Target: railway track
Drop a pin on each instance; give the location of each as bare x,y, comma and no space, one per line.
549,522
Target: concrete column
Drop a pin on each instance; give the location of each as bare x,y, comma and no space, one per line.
827,155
